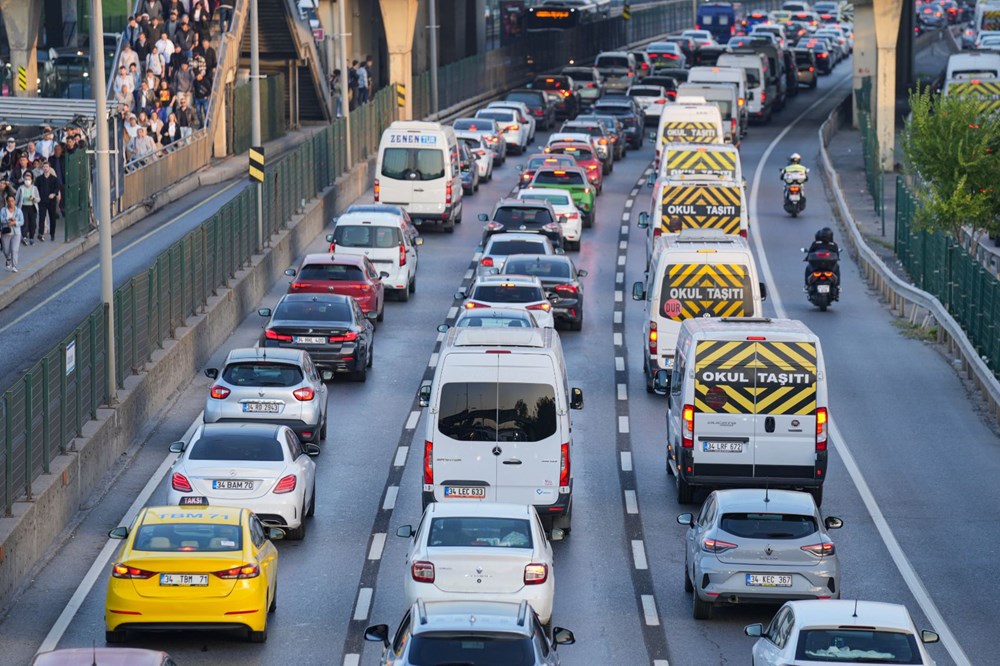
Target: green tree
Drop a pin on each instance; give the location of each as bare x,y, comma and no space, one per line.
952,147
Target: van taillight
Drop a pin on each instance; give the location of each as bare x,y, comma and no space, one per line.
447,193
821,428
732,30
428,463
653,337
732,125
563,467
377,188
402,255
687,427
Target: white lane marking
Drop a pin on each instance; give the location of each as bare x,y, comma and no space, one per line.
440,336
618,318
128,247
621,260
390,498
622,245
626,461
619,364
434,360
899,558
477,256
468,275
401,454
649,611
624,230
661,662
411,422
619,277
631,200
623,425
625,217
617,337
639,555
99,567
622,392
618,296
364,602
452,311
354,659
631,503
378,544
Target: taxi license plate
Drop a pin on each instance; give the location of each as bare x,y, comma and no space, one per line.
465,492
722,447
232,484
184,580
309,340
823,288
769,580
261,407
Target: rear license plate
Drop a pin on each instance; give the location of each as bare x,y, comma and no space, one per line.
769,580
232,484
184,580
722,447
823,288
261,407
465,492
309,340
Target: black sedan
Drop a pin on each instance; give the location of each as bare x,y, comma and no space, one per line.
824,59
561,281
615,130
625,110
330,327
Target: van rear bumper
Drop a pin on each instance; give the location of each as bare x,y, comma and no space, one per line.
752,476
559,508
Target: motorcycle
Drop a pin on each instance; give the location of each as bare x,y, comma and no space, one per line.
795,197
822,281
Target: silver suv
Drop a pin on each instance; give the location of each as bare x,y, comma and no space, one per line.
468,632
273,385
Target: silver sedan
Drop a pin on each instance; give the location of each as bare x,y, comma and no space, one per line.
758,546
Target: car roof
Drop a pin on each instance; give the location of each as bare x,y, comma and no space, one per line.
105,656
613,53
752,500
361,217
333,259
479,509
375,208
478,616
241,354
315,298
521,280
212,515
513,236
239,429
554,191
511,202
498,312
840,613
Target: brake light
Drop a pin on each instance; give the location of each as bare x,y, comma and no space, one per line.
732,125
820,55
535,574
687,427
591,85
716,546
565,289
447,193
644,66
763,96
333,247
591,167
795,189
285,485
245,571
740,102
350,336
564,93
402,255
271,335
487,262
472,305
304,394
545,307
603,142
125,571
660,101
180,483
423,572
821,428
428,462
811,68
377,190
564,466
825,549
732,29
514,128
299,285
654,337
219,392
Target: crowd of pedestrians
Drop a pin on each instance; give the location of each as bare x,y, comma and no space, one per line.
166,67
361,84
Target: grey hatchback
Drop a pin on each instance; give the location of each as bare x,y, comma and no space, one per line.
758,546
280,386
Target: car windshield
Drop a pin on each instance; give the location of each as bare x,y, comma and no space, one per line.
540,267
507,293
338,311
559,178
855,646
555,199
503,248
489,532
356,235
613,109
474,319
262,374
768,525
539,162
497,411
582,75
413,163
611,61
238,446
335,272
185,537
527,216
482,649
529,98
578,153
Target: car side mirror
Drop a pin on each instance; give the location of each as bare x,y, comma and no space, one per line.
178,447
483,217
290,272
754,630
643,222
661,382
576,398
750,95
406,531
686,519
122,533
928,636
212,373
329,238
418,242
275,534
553,297
460,294
650,180
638,291
424,395
763,291
561,636
582,273
311,450
264,312
327,375
383,274
833,523
443,328
378,633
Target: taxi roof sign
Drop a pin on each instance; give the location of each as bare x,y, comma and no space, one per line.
196,515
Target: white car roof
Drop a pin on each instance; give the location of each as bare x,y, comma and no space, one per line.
751,500
543,190
461,616
478,509
522,280
839,613
359,217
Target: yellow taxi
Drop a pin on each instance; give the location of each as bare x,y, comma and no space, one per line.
193,567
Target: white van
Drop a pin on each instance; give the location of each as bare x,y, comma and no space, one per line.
498,422
418,169
973,65
689,123
383,239
696,273
759,106
747,406
734,76
724,96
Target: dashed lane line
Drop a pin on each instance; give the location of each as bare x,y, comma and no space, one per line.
639,554
378,545
364,603
401,454
411,421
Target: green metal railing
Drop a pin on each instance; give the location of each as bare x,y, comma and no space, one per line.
273,121
45,410
939,265
76,195
869,145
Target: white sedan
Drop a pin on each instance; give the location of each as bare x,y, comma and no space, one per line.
651,99
486,552
260,466
514,132
481,151
523,112
570,219
702,37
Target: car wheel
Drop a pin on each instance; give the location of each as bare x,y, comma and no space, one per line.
449,228
371,356
688,587
404,294
685,493
576,325
605,169
257,636
114,637
381,313
274,600
322,431
298,533
312,502
413,285
361,375
702,610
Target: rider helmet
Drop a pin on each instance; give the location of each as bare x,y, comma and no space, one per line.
795,158
825,235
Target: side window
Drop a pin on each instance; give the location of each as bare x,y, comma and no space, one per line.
706,510
784,629
402,635
678,374
772,628
256,532
294,446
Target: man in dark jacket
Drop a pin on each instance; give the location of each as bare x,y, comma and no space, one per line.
50,191
206,51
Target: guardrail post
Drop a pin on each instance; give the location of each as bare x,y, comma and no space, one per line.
8,462
93,367
62,397
45,414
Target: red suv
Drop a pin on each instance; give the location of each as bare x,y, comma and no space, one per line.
349,275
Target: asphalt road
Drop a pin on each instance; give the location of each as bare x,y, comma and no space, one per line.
901,413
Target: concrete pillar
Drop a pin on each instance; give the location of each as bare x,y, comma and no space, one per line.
399,18
887,16
23,20
864,48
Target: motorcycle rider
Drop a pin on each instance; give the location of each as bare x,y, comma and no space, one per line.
794,172
824,242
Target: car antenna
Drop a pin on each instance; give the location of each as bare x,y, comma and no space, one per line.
767,490
93,646
855,608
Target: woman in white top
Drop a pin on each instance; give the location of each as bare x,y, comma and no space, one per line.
27,200
11,221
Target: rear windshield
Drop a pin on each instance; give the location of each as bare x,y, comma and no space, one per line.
539,162
648,91
494,411
611,61
543,269
336,272
356,235
488,532
857,646
582,75
505,116
262,374
338,311
768,525
471,125
472,144
803,58
613,109
576,152
556,199
496,293
184,537
527,216
558,178
505,248
592,130
549,84
496,649
413,163
529,98
487,321
241,446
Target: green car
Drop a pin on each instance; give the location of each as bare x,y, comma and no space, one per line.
573,180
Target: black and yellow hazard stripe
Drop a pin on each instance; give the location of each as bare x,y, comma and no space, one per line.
400,95
626,12
702,161
785,361
699,207
22,78
682,279
986,93
733,362
256,168
690,131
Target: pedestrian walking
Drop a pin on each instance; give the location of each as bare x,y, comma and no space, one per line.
372,77
337,97
225,13
352,85
362,84
11,222
202,96
50,191
27,200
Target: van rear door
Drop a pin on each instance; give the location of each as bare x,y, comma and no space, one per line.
724,408
414,174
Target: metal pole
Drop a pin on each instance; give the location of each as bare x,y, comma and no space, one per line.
331,58
344,89
255,113
102,211
434,56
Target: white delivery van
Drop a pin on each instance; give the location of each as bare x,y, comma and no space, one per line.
754,65
418,169
689,123
696,273
498,422
734,76
973,65
724,96
747,406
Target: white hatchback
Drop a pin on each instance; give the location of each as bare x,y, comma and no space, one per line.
524,292
481,151
482,551
382,238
